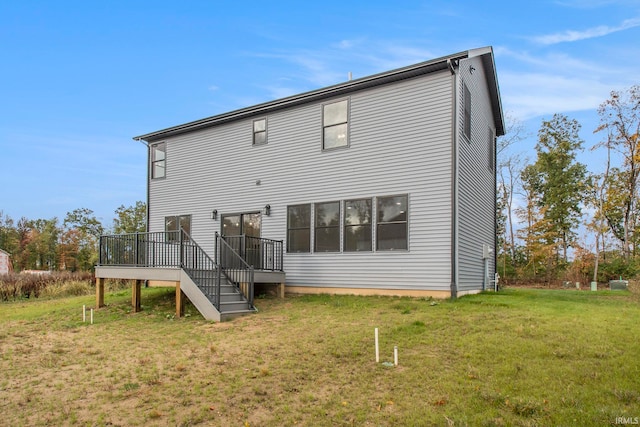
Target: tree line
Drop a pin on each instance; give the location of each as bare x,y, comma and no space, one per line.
543,203
67,245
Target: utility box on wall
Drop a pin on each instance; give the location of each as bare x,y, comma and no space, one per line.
487,252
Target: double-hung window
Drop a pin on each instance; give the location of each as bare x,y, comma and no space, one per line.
299,228
327,227
158,160
357,225
335,124
259,131
392,215
173,224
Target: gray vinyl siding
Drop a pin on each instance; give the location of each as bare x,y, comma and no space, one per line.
476,186
399,143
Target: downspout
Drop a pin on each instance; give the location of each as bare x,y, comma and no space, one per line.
148,175
148,178
454,183
495,207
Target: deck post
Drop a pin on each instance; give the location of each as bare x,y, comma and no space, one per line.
180,296
136,295
99,292
282,290
244,288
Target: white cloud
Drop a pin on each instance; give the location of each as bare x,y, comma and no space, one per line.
396,55
530,95
533,86
213,88
348,44
277,92
593,4
332,64
599,31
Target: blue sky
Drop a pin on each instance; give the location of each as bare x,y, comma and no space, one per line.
79,79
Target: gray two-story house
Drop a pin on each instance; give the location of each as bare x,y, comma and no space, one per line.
380,185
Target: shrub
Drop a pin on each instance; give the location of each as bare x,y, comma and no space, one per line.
51,284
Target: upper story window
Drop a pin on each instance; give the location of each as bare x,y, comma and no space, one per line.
327,227
173,224
299,228
466,126
335,124
259,131
158,160
392,214
357,225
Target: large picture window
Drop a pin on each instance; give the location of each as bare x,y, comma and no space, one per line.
158,160
357,225
327,227
259,131
299,228
335,124
391,231
173,224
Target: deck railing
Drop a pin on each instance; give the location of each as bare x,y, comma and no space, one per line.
262,254
160,249
177,249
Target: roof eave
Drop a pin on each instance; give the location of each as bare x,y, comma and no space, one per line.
339,89
488,61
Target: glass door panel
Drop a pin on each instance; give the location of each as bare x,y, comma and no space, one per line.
247,224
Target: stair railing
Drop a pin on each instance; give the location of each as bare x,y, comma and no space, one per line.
234,267
203,270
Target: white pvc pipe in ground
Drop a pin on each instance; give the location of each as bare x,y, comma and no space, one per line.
84,313
395,355
377,348
92,316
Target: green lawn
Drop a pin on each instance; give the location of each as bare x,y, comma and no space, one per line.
519,357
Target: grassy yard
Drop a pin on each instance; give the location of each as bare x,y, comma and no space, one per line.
520,357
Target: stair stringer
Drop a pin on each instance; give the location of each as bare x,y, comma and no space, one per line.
198,298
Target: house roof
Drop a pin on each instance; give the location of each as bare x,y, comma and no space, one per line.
438,64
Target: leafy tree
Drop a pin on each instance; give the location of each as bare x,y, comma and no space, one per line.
595,199
620,122
9,239
84,220
131,219
531,215
41,244
79,240
509,167
561,184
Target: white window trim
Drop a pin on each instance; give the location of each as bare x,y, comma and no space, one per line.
348,123
253,132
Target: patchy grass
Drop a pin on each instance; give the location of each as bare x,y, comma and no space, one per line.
520,357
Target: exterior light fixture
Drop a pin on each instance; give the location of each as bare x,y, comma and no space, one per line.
267,210
214,214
